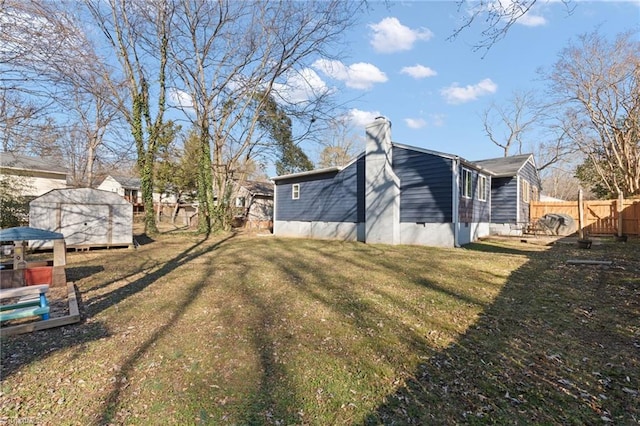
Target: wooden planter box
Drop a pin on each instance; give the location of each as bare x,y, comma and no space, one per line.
38,275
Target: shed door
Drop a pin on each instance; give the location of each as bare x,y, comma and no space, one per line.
85,224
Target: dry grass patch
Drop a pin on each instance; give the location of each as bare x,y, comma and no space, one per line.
254,330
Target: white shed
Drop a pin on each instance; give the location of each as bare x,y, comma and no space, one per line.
86,217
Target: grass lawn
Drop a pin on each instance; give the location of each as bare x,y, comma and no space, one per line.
248,330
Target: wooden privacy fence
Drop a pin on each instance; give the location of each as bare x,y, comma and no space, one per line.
600,216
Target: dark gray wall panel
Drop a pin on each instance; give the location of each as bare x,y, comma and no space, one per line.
425,186
328,197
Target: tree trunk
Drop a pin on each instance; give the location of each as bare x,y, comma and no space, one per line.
205,182
146,185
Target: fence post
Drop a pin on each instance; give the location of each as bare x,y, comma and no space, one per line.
620,205
580,215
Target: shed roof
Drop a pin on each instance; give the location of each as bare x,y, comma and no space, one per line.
11,160
80,196
505,166
27,233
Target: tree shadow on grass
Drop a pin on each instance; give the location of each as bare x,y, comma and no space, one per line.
77,273
142,240
494,248
21,350
557,346
113,398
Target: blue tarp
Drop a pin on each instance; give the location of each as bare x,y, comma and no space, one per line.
27,233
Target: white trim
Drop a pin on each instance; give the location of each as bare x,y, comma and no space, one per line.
526,195
425,151
295,191
482,192
518,178
307,173
275,208
455,164
464,186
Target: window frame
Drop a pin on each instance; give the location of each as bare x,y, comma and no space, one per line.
295,191
482,188
467,185
526,188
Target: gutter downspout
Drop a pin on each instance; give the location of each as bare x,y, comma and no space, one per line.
455,216
518,191
275,192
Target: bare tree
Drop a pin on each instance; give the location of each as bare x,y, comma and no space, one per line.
497,17
561,183
93,115
138,34
515,118
49,64
597,84
341,144
231,58
19,115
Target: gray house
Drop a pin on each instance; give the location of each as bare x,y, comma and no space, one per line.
254,204
515,183
391,194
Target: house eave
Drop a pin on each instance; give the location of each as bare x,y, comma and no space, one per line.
307,173
453,157
425,151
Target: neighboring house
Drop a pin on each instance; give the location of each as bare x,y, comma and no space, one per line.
515,183
254,204
129,189
126,187
391,194
36,176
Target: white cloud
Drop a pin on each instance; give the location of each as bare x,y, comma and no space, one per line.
415,123
180,98
361,118
531,20
301,86
418,71
389,35
455,94
360,75
513,7
433,120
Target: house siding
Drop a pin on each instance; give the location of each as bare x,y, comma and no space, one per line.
472,209
361,193
35,183
528,172
504,196
329,197
425,186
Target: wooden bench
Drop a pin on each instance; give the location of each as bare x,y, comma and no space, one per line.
32,301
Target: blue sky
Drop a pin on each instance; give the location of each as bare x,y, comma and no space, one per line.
401,65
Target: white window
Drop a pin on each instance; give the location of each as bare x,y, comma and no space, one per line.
525,191
240,201
482,188
466,183
295,191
